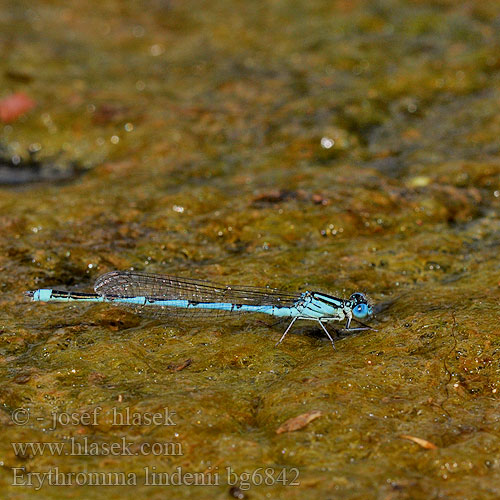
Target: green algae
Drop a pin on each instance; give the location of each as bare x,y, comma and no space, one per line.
338,146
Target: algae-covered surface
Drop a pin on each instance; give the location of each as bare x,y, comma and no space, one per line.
338,146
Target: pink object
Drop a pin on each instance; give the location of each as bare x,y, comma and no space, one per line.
15,105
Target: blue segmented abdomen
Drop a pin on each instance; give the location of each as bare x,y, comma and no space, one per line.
154,306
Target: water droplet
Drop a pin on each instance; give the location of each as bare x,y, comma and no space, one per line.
156,50
327,143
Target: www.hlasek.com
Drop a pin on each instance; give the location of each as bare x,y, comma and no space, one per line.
151,476
86,447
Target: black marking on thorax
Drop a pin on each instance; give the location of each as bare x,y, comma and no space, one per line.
336,302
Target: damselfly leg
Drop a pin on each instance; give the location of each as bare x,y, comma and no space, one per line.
286,331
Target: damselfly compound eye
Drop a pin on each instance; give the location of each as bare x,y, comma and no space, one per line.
361,311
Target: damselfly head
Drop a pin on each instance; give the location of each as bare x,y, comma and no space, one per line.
360,307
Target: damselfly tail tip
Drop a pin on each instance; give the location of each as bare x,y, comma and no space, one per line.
29,293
